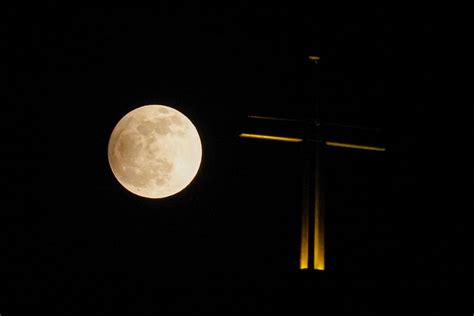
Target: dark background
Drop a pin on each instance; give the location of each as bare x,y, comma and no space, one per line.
74,240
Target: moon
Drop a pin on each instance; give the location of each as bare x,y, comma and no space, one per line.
154,151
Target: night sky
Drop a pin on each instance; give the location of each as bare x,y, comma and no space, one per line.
74,240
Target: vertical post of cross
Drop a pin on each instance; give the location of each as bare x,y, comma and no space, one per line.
312,248
318,210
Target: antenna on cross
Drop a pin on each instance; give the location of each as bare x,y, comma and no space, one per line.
308,132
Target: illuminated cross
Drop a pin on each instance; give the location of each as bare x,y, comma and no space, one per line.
312,244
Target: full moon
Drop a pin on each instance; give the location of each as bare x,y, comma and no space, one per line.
154,151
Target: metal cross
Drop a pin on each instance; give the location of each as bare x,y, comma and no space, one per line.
312,244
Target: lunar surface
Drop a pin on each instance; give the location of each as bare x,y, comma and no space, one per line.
154,151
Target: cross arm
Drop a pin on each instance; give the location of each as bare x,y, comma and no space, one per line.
291,130
298,140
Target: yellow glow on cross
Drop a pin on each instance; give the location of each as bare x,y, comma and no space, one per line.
304,247
354,146
316,59
318,235
271,137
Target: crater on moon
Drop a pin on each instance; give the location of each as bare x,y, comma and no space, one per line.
154,151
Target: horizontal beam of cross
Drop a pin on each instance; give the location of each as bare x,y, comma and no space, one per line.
298,140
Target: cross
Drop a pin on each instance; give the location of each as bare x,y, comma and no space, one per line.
312,244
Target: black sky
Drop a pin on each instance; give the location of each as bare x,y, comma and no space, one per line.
74,239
